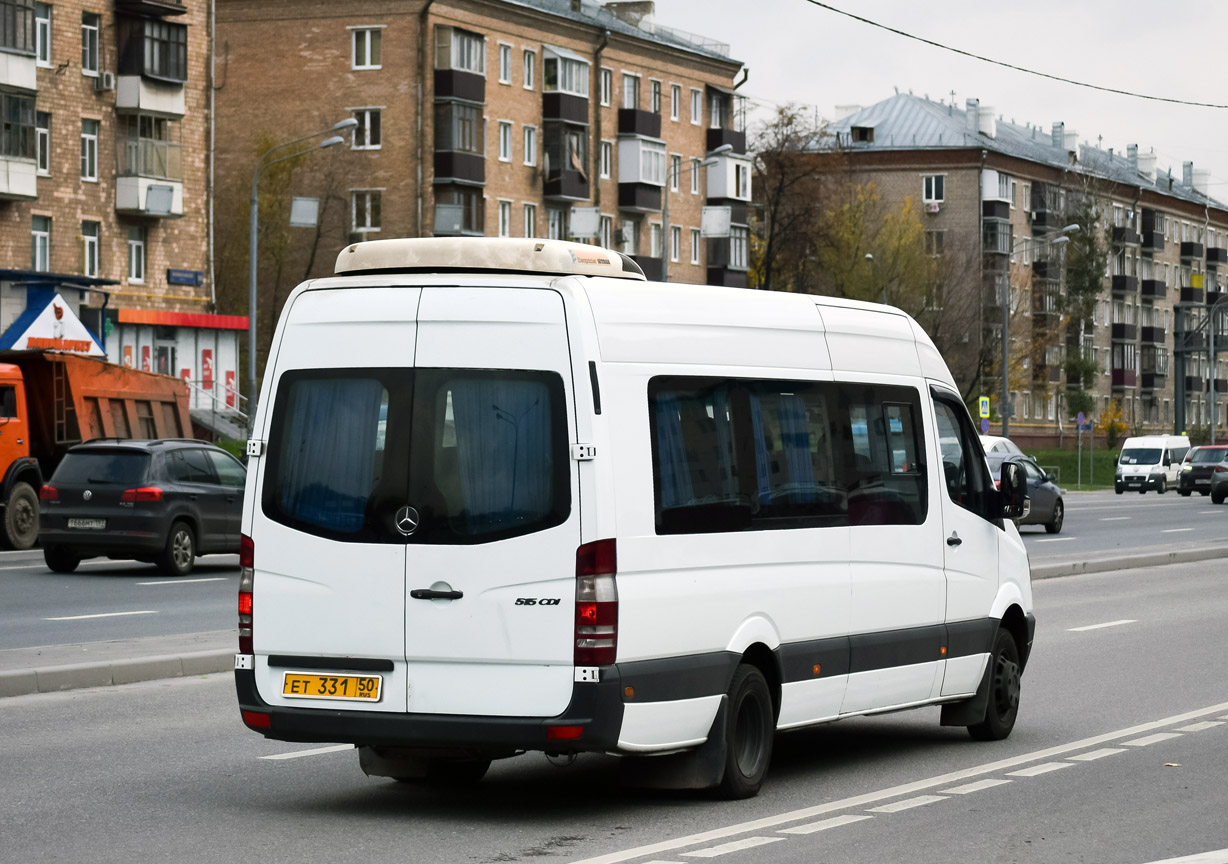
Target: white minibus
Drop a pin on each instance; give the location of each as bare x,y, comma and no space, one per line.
505,495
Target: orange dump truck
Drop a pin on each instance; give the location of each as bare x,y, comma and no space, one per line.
49,402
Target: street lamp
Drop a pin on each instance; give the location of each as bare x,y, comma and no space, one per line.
263,162
669,180
1058,238
870,258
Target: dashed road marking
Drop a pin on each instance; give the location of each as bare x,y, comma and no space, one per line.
298,754
969,788
907,804
1199,727
1102,626
1097,754
736,846
184,581
102,615
1061,539
1151,739
1116,518
1035,770
1175,530
1220,856
823,825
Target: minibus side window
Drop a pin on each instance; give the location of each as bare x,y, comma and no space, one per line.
964,469
883,467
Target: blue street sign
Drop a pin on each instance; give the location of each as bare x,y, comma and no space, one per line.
1081,418
984,426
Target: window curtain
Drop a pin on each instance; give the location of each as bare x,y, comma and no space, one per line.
327,462
504,451
722,415
795,438
762,469
673,473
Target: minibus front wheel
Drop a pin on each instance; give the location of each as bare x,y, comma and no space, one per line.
1004,688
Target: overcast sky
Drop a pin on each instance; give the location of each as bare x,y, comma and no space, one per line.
798,52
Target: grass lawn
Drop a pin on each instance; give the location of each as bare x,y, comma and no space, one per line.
1065,464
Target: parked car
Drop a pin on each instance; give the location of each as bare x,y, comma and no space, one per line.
164,501
1199,466
997,444
1048,508
1219,483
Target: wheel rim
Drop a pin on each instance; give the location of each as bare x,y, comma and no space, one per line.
23,517
1058,514
181,549
1006,686
750,738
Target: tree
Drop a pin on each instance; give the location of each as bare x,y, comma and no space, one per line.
1087,260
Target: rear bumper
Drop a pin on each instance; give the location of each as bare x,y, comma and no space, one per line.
87,544
596,707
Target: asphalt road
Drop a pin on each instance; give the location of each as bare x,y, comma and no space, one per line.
1127,668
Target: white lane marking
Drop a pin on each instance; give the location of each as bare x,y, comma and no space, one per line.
767,822
1063,539
1175,530
297,754
1199,727
1039,769
102,615
1115,518
1220,856
1207,512
907,804
184,581
1151,739
1097,754
736,846
1101,626
823,825
975,787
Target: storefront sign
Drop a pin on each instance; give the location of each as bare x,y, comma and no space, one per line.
57,328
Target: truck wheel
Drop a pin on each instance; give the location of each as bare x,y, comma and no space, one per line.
61,560
1003,705
21,517
751,724
180,552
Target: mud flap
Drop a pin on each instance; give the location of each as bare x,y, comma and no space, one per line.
970,711
701,768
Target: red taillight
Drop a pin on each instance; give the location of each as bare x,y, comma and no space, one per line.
596,634
49,493
247,578
144,493
563,733
1219,469
257,719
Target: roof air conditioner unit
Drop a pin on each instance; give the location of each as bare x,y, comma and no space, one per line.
932,207
104,81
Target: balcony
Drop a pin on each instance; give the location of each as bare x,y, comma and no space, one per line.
1194,384
1153,380
650,266
1213,295
720,137
996,210
1217,255
18,71
18,68
566,107
1043,373
640,197
18,178
1124,235
1153,335
1124,332
135,93
458,84
726,277
1124,377
1153,289
1045,220
1192,295
1125,284
453,165
1152,241
149,178
563,180
1190,341
1190,249
644,124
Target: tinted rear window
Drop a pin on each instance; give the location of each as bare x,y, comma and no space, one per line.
102,466
1206,454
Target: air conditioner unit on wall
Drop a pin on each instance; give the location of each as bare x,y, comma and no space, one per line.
932,207
104,81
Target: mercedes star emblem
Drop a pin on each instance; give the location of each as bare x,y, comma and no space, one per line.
407,520
87,495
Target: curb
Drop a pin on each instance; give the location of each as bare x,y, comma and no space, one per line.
1129,562
53,679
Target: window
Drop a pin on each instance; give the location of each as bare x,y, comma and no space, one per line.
505,64
165,50
460,50
631,90
694,176
963,468
675,171
655,89
932,188
607,86
718,110
675,242
606,232
365,210
694,245
762,455
607,158
228,469
17,126
675,101
505,218
933,242
697,106
89,248
42,134
741,180
471,205
650,156
89,43
556,223
367,132
530,220
629,236
1004,187
366,53
564,75
530,145
40,243
530,68
505,141
89,149
654,240
148,150
136,253
42,33
739,242
459,126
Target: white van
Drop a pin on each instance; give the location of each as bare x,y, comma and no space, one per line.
506,496
1150,462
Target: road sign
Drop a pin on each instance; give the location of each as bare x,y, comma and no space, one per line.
984,404
1081,418
1086,427
985,426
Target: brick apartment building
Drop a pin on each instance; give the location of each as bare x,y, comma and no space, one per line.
1006,192
477,117
104,183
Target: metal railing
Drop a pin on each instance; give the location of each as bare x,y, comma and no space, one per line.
145,157
217,403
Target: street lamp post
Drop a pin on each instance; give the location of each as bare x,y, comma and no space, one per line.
1058,238
264,162
1215,308
670,176
870,259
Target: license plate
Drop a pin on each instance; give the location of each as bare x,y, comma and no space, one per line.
361,688
1203,481
91,524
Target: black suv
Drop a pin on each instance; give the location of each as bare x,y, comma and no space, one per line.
164,501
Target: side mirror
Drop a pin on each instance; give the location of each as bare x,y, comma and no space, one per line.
1013,491
1050,477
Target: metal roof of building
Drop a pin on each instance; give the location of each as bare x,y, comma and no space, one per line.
906,122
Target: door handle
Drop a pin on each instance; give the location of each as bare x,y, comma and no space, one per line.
954,540
191,497
432,594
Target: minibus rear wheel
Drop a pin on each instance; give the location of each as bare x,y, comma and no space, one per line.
1003,705
750,726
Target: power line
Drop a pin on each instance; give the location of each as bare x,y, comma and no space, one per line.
1010,65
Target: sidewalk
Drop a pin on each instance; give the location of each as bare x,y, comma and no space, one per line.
51,668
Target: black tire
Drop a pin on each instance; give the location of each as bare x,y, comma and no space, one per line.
1119,491
1163,487
750,725
1205,494
21,517
1059,514
61,560
180,552
1184,493
1217,497
1004,689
